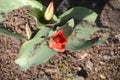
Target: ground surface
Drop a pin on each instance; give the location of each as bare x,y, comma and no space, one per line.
96,63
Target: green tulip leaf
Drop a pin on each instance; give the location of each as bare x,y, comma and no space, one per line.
9,5
10,34
1,18
78,13
37,14
35,51
68,27
55,18
81,36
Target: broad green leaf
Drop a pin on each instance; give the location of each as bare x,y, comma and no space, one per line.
35,51
10,34
80,45
79,13
80,37
37,14
9,5
68,27
1,18
55,18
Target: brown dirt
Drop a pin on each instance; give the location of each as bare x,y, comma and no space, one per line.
96,63
17,20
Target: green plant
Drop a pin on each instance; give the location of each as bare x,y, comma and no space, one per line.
72,30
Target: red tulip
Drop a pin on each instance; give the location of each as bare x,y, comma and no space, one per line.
58,41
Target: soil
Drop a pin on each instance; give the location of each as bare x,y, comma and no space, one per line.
97,63
17,21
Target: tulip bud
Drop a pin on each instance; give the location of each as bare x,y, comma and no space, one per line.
49,12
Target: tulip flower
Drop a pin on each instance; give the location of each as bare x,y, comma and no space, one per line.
58,41
49,12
